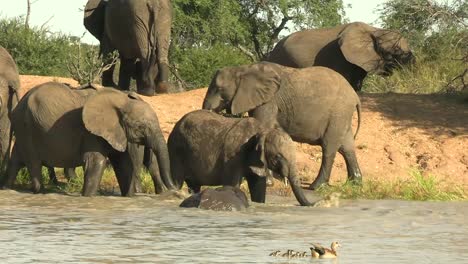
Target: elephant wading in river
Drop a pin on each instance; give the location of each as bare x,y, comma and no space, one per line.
62,127
140,30
313,105
353,50
9,89
209,149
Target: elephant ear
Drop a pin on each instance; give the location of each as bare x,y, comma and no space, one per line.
357,43
94,17
101,117
255,86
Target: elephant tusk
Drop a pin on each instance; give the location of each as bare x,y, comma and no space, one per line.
286,181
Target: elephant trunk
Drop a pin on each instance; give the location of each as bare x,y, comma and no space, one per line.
159,147
297,190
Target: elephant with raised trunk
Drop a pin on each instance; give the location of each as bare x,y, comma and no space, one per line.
9,89
314,105
353,50
57,126
209,149
140,30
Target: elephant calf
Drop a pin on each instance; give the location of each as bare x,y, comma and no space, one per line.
208,149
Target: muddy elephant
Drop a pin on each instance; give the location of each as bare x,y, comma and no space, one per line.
353,50
140,30
209,149
57,126
9,89
314,105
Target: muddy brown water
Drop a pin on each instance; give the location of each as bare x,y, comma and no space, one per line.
56,228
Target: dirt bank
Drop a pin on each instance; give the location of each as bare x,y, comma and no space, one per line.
399,133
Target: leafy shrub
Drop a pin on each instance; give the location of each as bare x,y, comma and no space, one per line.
35,50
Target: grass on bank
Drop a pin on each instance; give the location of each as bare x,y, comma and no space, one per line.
418,187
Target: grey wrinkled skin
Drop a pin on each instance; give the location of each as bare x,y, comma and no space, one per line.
226,198
314,105
57,126
353,50
9,89
140,30
208,149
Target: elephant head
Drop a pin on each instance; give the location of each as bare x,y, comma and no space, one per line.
94,18
240,89
122,118
275,150
372,49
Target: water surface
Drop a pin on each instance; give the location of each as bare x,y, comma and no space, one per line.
56,228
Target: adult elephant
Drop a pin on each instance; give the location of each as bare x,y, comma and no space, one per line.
209,149
62,127
353,50
9,89
314,105
140,30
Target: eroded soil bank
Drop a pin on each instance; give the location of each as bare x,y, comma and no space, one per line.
399,133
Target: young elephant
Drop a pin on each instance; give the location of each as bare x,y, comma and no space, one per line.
62,127
208,149
313,105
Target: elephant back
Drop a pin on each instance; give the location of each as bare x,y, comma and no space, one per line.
94,17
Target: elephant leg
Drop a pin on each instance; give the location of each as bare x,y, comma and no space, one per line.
95,163
147,70
108,76
163,28
163,85
151,164
14,165
52,175
125,172
70,173
328,157
125,74
257,187
35,171
347,150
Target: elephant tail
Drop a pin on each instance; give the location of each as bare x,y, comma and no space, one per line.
358,109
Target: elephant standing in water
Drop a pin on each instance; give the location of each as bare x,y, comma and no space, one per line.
209,149
9,89
140,30
62,127
353,50
314,105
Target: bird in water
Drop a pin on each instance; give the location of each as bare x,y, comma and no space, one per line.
318,251
288,253
275,253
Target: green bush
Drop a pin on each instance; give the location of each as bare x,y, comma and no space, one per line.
35,50
197,65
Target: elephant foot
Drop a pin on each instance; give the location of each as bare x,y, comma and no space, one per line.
146,92
355,180
317,184
163,87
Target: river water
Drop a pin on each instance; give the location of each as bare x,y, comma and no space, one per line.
56,228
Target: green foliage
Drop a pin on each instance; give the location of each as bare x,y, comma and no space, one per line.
35,50
438,35
419,187
197,65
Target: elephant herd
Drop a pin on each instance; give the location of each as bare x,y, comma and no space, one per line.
304,91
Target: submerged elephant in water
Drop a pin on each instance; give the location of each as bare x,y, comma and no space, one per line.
313,105
209,149
353,50
62,127
226,198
